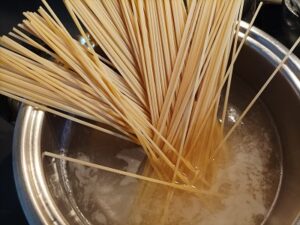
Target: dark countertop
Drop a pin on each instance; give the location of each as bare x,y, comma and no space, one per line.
277,21
273,19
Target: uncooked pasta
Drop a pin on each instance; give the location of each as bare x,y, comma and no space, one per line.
157,81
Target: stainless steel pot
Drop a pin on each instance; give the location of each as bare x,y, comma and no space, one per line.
45,196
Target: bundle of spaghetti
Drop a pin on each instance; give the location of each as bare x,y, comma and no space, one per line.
165,64
158,84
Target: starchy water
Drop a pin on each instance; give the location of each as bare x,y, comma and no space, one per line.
248,181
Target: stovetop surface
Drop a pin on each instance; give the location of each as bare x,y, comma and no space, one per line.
273,19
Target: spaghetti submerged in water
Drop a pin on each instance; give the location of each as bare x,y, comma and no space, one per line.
159,84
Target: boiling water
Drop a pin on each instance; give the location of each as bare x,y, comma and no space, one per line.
249,180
